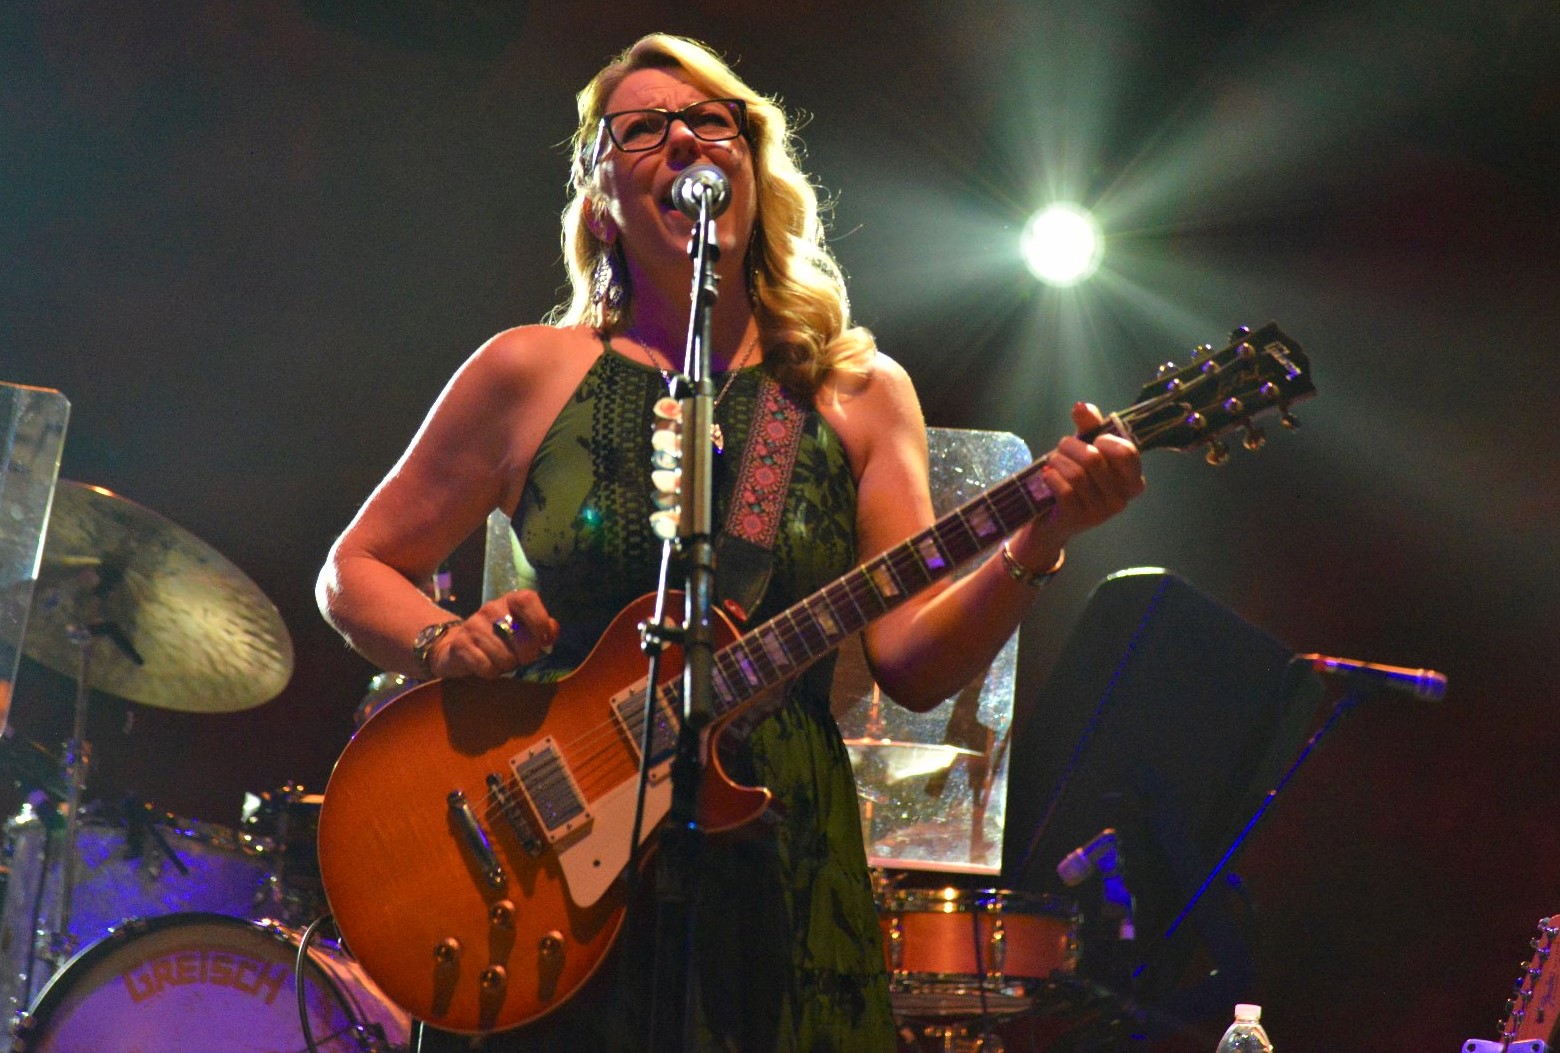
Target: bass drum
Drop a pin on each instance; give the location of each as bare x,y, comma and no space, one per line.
212,983
121,874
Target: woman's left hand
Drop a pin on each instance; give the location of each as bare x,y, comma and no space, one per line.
1091,480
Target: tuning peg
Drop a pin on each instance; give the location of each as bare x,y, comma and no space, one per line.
1202,351
1255,437
1288,420
1240,332
1164,370
1218,453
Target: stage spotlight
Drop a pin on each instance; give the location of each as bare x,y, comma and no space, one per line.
1062,245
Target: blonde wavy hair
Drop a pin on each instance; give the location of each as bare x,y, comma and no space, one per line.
796,286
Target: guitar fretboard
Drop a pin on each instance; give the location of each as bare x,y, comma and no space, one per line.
810,629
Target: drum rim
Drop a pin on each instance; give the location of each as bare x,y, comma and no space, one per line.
966,901
35,1016
220,836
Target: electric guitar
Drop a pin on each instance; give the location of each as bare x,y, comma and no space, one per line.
474,836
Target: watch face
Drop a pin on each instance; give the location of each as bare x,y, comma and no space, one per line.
429,634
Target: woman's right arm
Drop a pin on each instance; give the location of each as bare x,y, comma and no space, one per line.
468,457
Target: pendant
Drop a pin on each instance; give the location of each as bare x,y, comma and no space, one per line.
718,437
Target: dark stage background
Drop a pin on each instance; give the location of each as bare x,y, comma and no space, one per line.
251,240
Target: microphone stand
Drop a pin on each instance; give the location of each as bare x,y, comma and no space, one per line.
682,840
1344,705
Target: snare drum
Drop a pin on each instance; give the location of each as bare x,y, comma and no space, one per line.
969,952
212,983
119,876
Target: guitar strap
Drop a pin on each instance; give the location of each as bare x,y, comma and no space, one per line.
744,551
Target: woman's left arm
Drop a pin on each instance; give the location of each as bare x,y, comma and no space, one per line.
935,644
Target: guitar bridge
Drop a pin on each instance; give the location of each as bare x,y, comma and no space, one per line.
514,815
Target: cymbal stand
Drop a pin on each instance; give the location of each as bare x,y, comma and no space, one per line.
60,943
78,762
867,799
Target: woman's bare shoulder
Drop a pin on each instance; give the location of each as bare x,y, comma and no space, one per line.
529,349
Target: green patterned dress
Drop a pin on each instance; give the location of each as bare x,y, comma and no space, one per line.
787,944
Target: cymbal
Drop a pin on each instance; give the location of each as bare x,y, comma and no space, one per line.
28,766
176,625
904,760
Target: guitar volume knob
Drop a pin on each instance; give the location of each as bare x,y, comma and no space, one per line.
446,950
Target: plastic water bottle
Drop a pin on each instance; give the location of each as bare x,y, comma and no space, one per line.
1245,1035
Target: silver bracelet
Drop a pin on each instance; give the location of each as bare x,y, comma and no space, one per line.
1027,576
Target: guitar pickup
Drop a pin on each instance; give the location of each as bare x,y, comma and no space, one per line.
628,709
549,788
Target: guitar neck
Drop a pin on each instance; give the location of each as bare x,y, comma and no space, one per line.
800,635
1258,373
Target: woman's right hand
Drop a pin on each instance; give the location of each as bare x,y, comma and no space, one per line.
504,634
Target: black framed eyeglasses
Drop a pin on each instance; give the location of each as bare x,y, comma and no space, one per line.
635,131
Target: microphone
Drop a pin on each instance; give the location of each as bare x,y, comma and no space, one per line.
1079,864
1421,683
1099,855
701,183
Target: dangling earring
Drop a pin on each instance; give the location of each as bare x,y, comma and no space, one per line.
606,290
750,262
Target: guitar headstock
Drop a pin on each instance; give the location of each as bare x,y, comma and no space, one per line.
1258,374
1531,1010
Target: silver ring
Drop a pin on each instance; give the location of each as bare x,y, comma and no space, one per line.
505,627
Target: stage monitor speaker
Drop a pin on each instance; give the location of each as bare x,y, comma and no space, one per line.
1167,718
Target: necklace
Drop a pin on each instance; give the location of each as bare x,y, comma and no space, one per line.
717,437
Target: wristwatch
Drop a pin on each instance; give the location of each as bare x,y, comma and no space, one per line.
426,638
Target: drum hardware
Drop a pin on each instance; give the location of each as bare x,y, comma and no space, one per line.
382,688
27,766
141,825
286,823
